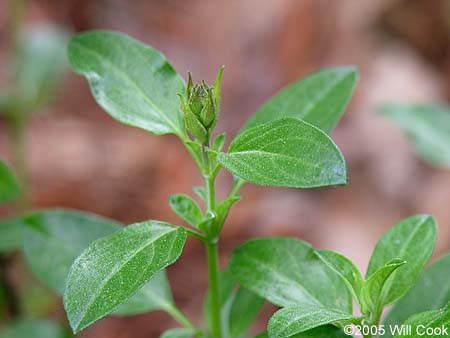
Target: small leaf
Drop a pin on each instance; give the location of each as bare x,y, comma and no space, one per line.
345,268
9,187
52,239
297,319
223,208
200,192
428,128
411,240
219,141
132,82
371,292
26,328
437,323
286,152
187,209
280,270
319,99
155,295
431,292
244,309
10,234
179,333
115,267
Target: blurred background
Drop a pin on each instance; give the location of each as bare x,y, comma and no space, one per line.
78,157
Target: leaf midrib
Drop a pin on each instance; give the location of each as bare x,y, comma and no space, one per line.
125,76
119,267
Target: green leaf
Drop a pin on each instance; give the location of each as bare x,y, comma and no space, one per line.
132,82
319,99
10,234
9,187
286,152
223,208
371,292
428,128
431,292
437,321
115,267
39,65
296,319
244,309
411,240
200,192
155,295
186,208
179,333
26,328
325,331
52,239
219,141
345,268
286,271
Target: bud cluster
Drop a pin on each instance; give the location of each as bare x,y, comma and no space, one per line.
201,107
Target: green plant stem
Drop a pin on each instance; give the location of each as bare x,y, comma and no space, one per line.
212,251
180,317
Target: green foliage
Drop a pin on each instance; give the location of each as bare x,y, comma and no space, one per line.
179,333
279,269
296,319
10,234
26,328
286,152
429,324
305,282
431,292
411,240
186,208
52,239
428,128
115,267
319,99
131,81
9,187
37,69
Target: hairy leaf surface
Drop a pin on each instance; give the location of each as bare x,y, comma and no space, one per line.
132,82
319,99
286,152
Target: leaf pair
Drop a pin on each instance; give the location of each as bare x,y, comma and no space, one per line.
316,287
281,144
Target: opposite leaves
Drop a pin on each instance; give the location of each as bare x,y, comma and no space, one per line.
113,268
131,81
288,153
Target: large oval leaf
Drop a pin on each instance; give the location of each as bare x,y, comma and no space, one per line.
431,292
288,153
9,187
319,99
427,126
52,239
287,272
411,240
131,81
113,268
